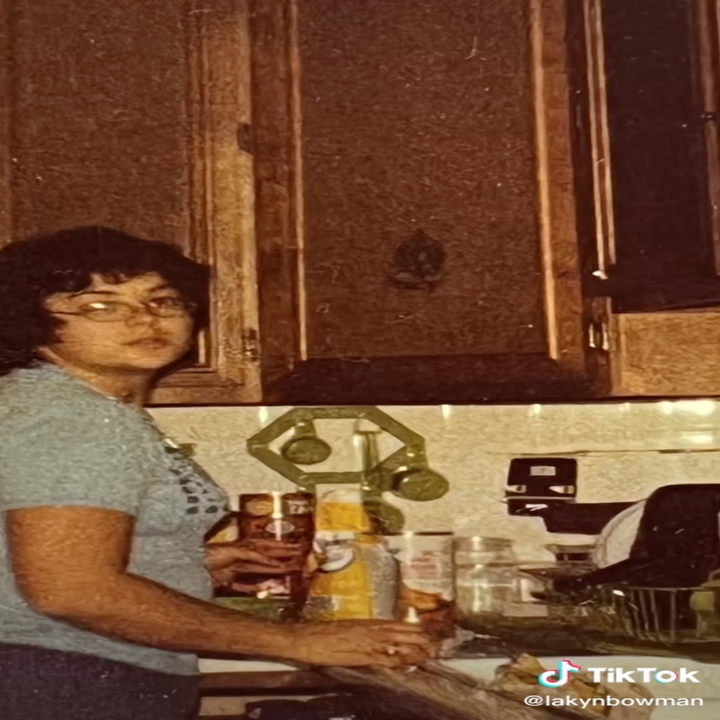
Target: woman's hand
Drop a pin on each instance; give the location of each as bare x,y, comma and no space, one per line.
263,557
351,643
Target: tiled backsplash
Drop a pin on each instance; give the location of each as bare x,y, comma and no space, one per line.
624,451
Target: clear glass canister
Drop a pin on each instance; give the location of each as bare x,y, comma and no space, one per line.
487,577
427,587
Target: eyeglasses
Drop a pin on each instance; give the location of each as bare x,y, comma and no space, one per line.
114,311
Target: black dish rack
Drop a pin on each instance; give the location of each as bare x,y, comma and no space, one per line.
668,616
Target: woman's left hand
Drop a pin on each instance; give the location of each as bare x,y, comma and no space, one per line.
262,557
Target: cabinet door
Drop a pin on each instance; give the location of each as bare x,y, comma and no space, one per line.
669,345
416,201
135,115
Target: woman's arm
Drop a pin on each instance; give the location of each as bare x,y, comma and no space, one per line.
70,563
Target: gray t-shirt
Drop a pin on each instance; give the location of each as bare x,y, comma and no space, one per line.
64,444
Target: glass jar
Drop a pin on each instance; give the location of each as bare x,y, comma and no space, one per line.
427,580
487,577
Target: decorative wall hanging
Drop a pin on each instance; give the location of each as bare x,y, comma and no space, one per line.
405,473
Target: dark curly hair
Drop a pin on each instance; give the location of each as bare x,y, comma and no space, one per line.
31,270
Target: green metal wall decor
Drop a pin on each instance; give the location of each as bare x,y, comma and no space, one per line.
404,473
305,447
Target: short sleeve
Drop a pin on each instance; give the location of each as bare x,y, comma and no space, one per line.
74,452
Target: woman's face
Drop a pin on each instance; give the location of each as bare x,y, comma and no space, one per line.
141,342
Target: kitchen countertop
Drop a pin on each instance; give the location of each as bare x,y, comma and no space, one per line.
278,675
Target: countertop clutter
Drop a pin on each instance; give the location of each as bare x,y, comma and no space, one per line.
350,571
651,603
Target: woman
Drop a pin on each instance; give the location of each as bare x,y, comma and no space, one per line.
104,580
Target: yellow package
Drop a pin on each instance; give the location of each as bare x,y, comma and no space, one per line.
341,587
340,509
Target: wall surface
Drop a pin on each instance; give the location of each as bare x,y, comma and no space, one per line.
624,451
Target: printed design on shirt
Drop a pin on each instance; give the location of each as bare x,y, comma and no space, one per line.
202,497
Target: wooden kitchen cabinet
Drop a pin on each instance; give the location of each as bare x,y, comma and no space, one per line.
497,201
432,146
402,202
421,169
389,193
134,115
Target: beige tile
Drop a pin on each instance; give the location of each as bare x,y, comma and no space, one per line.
624,451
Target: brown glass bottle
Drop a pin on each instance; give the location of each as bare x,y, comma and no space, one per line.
289,517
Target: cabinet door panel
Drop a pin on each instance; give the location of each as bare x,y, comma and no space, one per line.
419,180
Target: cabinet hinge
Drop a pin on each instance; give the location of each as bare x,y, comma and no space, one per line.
599,336
245,139
251,345
599,324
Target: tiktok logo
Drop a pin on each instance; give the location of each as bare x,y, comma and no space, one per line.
559,677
